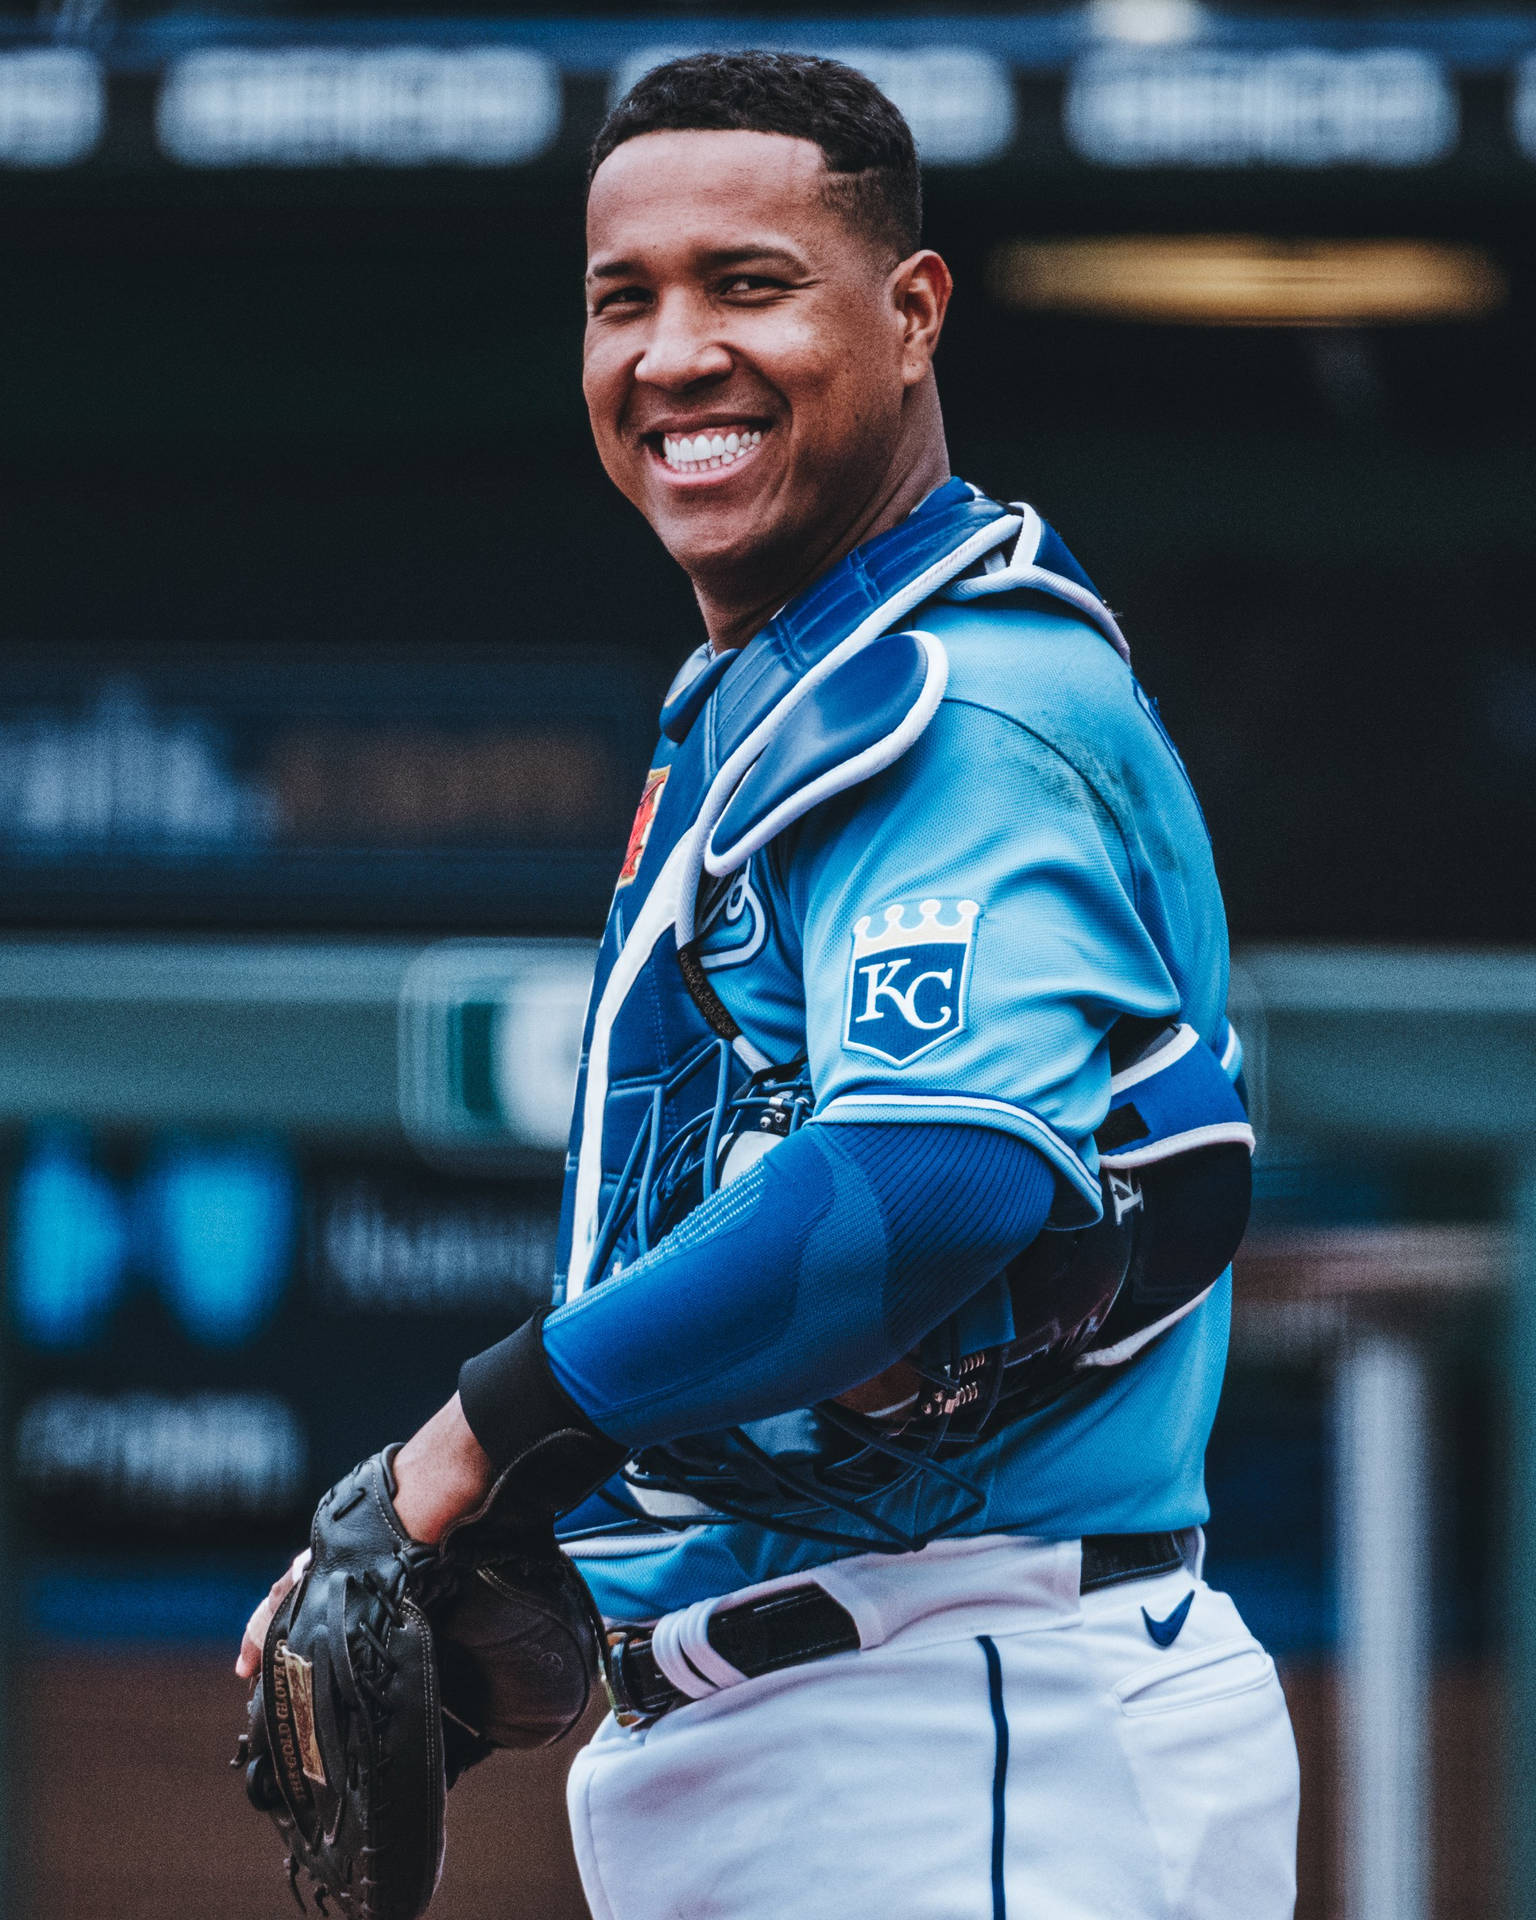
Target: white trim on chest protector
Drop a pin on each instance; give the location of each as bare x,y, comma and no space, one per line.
1021,571
782,795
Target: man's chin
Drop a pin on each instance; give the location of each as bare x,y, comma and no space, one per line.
725,553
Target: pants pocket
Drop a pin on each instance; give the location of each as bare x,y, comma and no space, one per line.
1206,1734
1214,1672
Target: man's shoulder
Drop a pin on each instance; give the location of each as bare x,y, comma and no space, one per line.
1041,668
1039,694
1039,710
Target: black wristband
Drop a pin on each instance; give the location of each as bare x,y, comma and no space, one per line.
530,1426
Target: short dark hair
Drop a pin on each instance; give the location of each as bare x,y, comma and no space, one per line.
870,157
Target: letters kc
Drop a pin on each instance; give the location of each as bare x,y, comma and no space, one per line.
907,984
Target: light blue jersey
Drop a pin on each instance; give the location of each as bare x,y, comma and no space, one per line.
953,940
1046,814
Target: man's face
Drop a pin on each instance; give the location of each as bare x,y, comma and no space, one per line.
744,363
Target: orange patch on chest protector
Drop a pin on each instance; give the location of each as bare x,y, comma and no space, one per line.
645,819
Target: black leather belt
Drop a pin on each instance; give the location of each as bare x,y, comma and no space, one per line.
799,1624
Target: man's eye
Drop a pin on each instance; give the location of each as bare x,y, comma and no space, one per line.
619,298
750,283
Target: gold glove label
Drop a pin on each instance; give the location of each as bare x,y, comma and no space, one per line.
294,1690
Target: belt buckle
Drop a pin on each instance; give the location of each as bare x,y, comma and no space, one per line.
625,1713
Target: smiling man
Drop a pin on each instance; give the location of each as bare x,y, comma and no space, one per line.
909,1152
741,292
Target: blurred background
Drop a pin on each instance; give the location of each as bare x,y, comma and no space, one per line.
329,671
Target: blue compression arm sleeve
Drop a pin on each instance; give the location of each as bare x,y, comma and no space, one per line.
824,1263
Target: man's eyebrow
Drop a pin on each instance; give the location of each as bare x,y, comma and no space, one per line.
715,258
762,255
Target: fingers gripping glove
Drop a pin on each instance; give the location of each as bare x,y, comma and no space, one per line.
393,1666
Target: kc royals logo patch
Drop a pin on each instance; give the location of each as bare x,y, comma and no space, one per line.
908,984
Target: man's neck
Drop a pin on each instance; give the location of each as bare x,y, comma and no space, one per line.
732,619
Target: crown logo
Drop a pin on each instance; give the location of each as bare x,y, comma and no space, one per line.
930,929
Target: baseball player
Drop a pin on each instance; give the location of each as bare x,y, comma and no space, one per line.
909,1151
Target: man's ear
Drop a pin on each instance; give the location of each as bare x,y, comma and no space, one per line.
920,290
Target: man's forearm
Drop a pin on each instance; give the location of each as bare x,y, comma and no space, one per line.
816,1270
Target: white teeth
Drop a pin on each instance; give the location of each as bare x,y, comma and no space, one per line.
708,450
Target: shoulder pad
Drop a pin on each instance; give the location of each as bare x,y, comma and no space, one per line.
846,727
1041,563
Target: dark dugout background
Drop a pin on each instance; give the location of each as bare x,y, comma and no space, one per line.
321,621
279,411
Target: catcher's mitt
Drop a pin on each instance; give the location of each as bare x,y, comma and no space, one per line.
393,1666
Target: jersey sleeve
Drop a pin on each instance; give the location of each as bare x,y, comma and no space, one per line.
969,934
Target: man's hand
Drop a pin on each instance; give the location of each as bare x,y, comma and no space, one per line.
441,1474
249,1663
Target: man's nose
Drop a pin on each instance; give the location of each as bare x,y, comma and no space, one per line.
683,346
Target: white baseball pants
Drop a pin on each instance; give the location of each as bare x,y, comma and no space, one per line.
998,1746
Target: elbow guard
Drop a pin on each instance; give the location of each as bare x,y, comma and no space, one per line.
1175,1158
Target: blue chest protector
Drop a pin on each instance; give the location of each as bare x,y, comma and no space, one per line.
829,694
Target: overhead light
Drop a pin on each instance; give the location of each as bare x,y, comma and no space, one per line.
334,106
1146,23
53,106
1286,106
1238,280
1522,108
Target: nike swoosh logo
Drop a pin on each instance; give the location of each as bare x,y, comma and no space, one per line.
1165,1632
